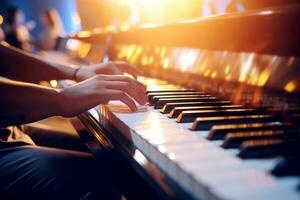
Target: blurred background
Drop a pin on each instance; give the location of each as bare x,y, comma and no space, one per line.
79,15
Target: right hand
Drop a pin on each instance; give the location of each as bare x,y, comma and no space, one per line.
101,89
111,68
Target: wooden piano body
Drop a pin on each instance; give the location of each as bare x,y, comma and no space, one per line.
251,59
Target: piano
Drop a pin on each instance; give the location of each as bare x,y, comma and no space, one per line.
224,109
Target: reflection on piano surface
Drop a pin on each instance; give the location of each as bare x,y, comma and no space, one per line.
223,114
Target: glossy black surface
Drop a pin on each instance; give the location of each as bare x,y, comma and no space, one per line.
205,123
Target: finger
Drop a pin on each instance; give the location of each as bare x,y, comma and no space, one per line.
126,79
129,68
131,91
134,83
115,70
139,88
118,71
134,91
122,96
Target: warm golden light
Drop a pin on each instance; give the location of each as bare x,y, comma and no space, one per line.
263,77
148,11
129,51
150,60
203,66
84,34
166,63
228,77
227,69
187,59
1,19
290,86
214,74
144,60
124,27
245,67
53,83
207,72
84,50
97,30
163,51
111,28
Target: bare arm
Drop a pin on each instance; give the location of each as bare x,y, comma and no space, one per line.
22,66
25,102
19,65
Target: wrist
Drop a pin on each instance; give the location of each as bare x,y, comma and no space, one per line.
65,71
71,103
64,103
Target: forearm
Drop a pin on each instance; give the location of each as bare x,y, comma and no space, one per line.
18,65
24,102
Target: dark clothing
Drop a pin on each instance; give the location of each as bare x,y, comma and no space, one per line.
28,171
32,172
12,39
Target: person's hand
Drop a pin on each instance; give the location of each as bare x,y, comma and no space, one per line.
101,89
111,68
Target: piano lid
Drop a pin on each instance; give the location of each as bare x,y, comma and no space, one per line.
272,29
267,31
260,48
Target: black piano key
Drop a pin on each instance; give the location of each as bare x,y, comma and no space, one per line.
168,107
268,148
292,111
289,166
205,123
234,140
218,132
162,102
155,99
190,116
152,94
177,110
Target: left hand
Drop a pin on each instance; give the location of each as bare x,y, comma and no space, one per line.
111,68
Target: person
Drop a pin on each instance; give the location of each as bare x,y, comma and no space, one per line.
16,31
31,171
53,28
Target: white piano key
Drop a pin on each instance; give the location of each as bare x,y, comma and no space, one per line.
202,167
263,164
259,187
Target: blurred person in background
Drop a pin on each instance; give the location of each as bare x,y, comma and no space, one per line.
53,28
2,37
16,30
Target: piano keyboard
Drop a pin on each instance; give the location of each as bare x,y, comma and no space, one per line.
212,148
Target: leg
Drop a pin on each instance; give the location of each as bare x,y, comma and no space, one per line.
131,184
45,136
30,172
